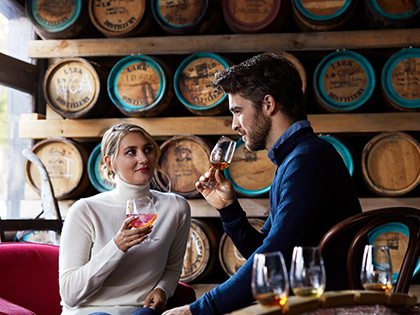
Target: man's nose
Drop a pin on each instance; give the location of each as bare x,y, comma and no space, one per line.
235,125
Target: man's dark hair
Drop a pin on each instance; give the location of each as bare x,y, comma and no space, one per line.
264,74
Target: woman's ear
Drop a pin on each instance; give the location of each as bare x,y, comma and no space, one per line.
269,105
107,161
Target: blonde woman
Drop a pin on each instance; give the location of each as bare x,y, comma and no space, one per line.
104,267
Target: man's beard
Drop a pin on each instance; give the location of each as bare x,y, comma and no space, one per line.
257,137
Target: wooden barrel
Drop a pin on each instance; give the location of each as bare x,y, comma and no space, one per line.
76,88
187,16
251,173
66,162
201,253
95,172
57,18
392,13
122,18
229,256
400,80
323,15
395,236
342,149
343,82
184,159
299,67
192,83
140,86
255,16
391,164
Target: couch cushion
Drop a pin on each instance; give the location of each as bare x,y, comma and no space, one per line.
29,276
8,308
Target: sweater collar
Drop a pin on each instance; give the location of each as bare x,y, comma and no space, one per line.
124,191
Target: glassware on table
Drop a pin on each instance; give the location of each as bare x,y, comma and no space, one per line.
145,211
221,156
307,272
376,272
269,279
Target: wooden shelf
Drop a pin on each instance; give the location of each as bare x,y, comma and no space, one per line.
232,43
31,126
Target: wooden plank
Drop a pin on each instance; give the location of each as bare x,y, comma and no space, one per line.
18,74
253,207
214,125
234,43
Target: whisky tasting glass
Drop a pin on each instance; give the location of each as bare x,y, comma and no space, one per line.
269,284
307,272
221,156
376,272
145,211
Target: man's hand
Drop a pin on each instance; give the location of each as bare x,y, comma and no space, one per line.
182,310
222,196
156,299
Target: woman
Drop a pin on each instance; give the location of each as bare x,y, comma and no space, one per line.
105,268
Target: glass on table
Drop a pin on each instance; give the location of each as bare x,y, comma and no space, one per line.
307,272
145,211
269,283
376,272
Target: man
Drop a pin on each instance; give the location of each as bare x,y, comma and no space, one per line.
311,191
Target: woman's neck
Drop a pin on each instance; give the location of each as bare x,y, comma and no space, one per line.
124,191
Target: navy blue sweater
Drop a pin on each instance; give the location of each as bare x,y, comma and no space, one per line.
312,191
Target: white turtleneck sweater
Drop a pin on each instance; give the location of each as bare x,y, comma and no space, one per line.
95,275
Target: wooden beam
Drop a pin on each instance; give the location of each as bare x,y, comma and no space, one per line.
212,125
18,74
12,9
232,43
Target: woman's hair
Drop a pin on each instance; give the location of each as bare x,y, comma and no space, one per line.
267,73
111,142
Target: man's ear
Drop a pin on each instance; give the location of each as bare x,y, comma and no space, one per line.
269,105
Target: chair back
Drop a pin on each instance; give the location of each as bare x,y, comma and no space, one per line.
364,223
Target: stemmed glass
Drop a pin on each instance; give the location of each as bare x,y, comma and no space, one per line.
145,211
376,272
307,272
221,156
269,279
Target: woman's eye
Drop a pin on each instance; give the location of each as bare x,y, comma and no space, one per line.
130,152
148,150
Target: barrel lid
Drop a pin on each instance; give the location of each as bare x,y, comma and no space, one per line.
241,153
136,71
119,18
71,86
179,15
346,71
199,68
55,16
305,8
343,150
401,68
406,10
251,15
96,177
396,237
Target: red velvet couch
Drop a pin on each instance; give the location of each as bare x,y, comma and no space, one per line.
29,281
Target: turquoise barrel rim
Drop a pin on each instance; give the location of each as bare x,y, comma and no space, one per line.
317,17
62,26
392,227
239,189
183,66
343,150
386,77
93,172
158,16
322,68
116,71
375,7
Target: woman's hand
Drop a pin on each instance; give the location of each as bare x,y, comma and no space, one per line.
156,299
129,236
223,195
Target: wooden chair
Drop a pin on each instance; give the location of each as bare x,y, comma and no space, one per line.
52,221
369,221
